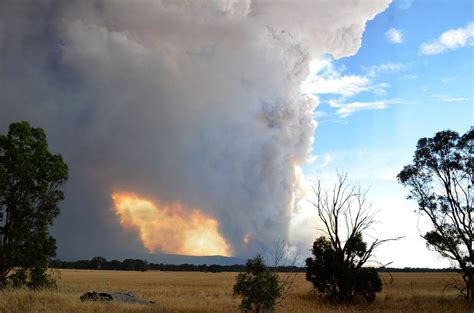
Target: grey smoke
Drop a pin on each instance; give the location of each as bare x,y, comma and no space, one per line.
193,101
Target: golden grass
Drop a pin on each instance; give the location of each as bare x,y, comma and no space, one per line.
211,292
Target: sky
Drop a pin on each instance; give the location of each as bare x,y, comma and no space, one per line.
404,83
197,128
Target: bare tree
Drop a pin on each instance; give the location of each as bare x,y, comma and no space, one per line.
283,259
336,268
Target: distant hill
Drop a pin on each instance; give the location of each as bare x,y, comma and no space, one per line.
177,259
195,260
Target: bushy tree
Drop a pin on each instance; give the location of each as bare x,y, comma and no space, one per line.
440,179
98,262
336,276
30,182
258,286
336,268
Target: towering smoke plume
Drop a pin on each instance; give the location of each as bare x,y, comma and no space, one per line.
190,102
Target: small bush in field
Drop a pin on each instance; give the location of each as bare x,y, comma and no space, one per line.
258,286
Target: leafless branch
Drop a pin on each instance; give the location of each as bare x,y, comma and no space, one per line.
281,257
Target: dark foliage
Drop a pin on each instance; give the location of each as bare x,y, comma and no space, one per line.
116,265
100,263
334,274
440,180
30,189
258,286
141,265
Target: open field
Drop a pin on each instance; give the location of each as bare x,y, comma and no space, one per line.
211,292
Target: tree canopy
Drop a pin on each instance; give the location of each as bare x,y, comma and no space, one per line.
31,178
440,180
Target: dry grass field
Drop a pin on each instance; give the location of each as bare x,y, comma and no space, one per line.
210,292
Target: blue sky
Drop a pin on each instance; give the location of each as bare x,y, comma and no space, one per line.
413,76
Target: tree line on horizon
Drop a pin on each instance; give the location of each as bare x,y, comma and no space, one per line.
100,263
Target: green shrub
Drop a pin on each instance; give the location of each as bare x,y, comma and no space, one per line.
259,287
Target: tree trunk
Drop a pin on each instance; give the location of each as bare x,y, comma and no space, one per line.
4,270
469,280
470,288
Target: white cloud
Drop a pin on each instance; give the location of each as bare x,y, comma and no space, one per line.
446,98
325,79
394,35
348,85
319,161
346,109
450,40
455,99
318,114
364,165
385,68
408,77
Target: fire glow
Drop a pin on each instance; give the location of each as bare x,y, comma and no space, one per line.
171,228
246,239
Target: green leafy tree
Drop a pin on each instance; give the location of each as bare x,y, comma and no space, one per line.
440,180
258,286
334,275
98,262
336,268
30,182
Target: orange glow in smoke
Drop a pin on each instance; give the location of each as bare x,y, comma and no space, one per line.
246,239
170,228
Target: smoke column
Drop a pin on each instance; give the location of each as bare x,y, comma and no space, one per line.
191,102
